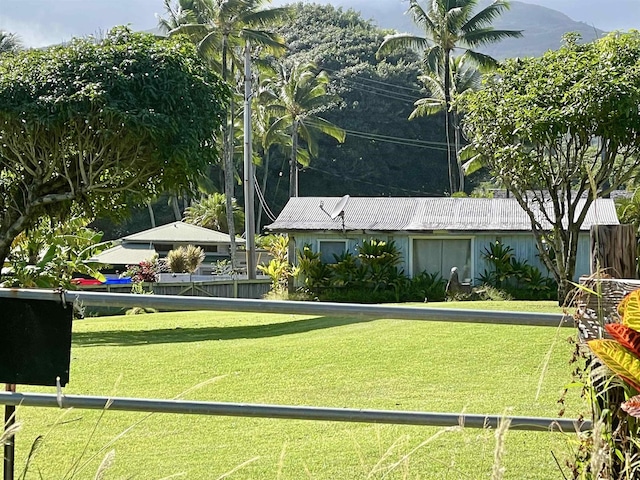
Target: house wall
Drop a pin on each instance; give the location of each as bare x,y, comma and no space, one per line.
523,245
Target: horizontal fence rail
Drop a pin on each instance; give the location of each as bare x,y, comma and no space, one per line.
396,417
172,302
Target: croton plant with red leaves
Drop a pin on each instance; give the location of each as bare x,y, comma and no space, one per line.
621,353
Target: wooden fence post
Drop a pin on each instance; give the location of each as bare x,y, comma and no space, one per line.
613,250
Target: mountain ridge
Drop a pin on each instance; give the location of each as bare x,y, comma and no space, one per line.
542,27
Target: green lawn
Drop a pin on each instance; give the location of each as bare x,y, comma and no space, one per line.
304,360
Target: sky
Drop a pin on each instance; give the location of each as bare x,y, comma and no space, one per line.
45,22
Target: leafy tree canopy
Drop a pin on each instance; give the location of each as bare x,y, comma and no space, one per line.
535,124
101,125
379,155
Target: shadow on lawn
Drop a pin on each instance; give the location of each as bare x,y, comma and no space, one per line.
178,334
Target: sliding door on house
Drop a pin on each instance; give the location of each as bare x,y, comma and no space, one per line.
441,254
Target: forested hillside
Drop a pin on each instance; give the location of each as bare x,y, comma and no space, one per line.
384,153
542,27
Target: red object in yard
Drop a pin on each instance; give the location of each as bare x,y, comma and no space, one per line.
86,281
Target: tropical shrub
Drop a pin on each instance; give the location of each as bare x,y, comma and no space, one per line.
515,277
279,270
194,256
315,274
370,276
185,259
145,272
427,286
48,254
177,261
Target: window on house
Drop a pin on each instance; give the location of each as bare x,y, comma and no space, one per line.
441,254
329,249
163,247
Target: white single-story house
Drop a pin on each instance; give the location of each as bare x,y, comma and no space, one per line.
433,234
135,248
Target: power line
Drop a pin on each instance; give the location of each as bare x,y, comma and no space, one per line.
381,185
382,93
395,86
263,202
409,142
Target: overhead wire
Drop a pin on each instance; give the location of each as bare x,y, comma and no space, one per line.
409,142
440,146
263,201
353,179
383,93
395,86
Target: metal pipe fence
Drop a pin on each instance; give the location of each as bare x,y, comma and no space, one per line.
172,302
396,417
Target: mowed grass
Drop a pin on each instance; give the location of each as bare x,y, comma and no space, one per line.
304,360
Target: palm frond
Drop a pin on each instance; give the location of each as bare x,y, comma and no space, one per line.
307,133
420,17
485,36
486,16
455,19
397,41
426,106
481,59
272,42
268,17
9,42
328,128
434,59
274,132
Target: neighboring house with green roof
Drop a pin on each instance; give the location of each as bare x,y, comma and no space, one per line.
135,248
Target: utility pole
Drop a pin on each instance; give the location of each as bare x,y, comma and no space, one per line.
248,182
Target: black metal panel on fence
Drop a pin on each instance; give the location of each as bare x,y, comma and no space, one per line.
35,341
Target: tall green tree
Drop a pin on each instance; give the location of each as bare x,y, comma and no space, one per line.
9,42
295,99
221,29
451,27
211,212
465,77
102,125
535,123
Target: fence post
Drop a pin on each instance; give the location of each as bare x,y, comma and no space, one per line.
613,250
10,443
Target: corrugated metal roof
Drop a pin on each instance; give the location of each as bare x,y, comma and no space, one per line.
180,232
421,214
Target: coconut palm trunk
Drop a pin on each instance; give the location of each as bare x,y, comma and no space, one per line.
448,123
229,188
293,162
227,156
448,26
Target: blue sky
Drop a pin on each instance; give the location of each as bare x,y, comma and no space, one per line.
44,22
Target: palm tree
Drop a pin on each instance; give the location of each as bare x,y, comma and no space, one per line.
465,77
294,100
9,42
211,212
451,26
221,29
